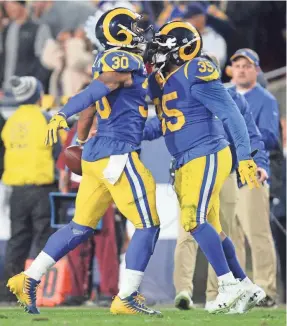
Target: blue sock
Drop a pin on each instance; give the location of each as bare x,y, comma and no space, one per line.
231,258
141,248
209,242
66,239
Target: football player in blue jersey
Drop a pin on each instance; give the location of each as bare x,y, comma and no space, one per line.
111,167
190,102
185,252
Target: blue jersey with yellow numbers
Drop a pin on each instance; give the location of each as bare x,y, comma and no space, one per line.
189,102
121,115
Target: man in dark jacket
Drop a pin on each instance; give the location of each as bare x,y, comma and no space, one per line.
23,41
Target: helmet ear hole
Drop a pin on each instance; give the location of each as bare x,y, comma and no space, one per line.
188,50
191,49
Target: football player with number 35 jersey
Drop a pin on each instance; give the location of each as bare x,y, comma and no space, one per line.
190,101
111,167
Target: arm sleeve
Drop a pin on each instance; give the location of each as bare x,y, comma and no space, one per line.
94,92
152,129
268,124
216,99
255,136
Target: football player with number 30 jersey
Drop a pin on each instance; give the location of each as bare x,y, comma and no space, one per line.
190,101
112,170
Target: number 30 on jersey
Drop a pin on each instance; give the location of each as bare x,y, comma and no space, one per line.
120,62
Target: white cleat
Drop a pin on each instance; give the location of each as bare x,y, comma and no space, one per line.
208,305
253,295
228,295
183,301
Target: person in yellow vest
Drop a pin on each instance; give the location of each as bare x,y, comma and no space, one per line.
29,168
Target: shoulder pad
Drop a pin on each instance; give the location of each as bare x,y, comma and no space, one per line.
201,69
121,61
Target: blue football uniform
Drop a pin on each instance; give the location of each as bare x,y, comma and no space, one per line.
121,118
153,130
122,114
189,102
194,111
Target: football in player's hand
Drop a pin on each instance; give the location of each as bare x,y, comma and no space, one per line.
73,156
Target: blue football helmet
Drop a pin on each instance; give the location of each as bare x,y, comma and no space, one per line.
119,28
177,42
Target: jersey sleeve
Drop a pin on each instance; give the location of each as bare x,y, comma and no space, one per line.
255,136
218,101
120,61
201,70
152,129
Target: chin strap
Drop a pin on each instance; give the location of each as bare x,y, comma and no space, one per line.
160,71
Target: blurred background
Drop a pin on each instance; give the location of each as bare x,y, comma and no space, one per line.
55,42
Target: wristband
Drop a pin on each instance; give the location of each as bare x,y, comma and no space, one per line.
81,142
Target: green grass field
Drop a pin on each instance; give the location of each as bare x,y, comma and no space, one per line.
172,317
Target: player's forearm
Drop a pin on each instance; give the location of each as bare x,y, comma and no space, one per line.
255,137
261,159
85,122
78,103
256,143
238,131
98,88
152,129
218,101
